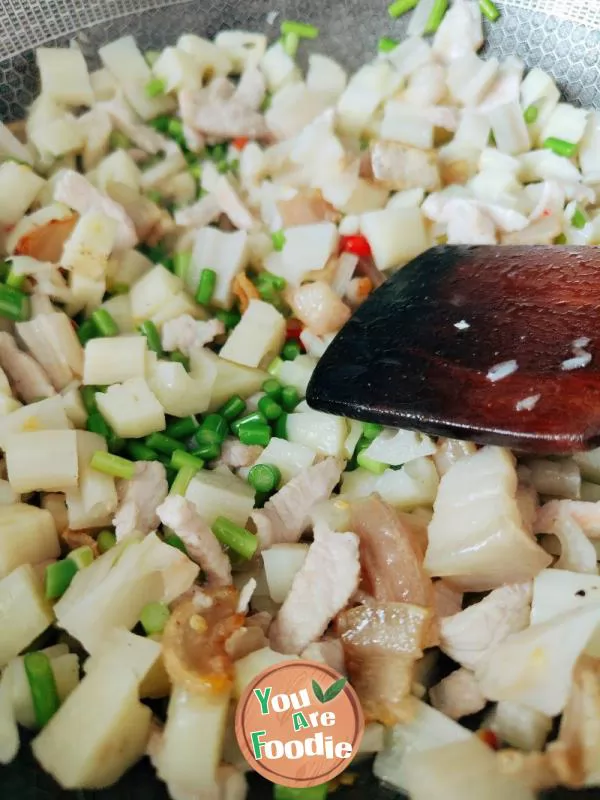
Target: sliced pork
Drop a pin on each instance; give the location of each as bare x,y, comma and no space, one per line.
139,499
185,333
27,378
458,695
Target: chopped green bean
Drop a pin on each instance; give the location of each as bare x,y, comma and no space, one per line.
255,434
163,443
561,147
150,331
236,538
489,9
181,459
291,42
269,407
42,684
113,465
206,286
436,16
278,239
291,350
182,479
176,542
104,322
256,417
155,87
58,577
139,451
264,477
207,452
86,331
180,358
302,29
14,304
106,540
280,427
229,318
181,428
530,114
82,556
578,220
400,7
181,263
386,44
232,408
154,617
273,388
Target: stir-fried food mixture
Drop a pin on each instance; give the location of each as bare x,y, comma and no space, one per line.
184,232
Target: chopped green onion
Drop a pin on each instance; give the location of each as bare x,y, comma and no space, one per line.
195,170
88,398
14,304
208,452
217,152
436,16
163,443
183,478
175,127
154,617
104,322
206,286
578,220
233,536
560,239
208,436
255,434
229,318
181,263
264,477
150,331
58,577
291,350
530,114
181,459
270,281
400,7
82,556
106,540
280,427
176,542
291,42
279,240
301,792
15,281
86,331
155,87
371,430
255,418
182,427
160,123
273,388
97,424
489,10
180,358
561,147
216,423
228,166
378,467
271,409
42,684
139,451
232,408
302,29
119,141
112,465
386,44
290,398
274,366
154,195
151,57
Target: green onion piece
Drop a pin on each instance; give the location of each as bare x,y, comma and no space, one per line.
176,542
280,427
255,418
112,465
278,239
14,304
560,239
207,452
255,434
182,428
233,536
225,166
88,398
274,366
154,195
181,459
160,123
208,437
154,617
163,443
578,220
378,467
268,407
436,16
106,540
371,430
530,114
206,286
180,358
119,141
58,576
15,281
181,264
155,87
264,477
105,323
232,408
386,44
273,388
302,29
489,9
561,147
229,318
150,331
291,350
400,7
97,424
175,127
290,398
195,170
215,423
291,42
44,694
183,478
86,331
139,452
82,556
151,57
301,792
217,152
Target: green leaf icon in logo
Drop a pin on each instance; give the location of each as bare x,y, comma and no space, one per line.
318,692
329,694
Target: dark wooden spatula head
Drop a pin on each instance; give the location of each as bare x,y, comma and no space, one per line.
408,359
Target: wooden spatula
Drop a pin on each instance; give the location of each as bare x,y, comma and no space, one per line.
418,353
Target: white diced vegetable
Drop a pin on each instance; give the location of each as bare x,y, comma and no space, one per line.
321,432
358,483
93,501
19,186
469,78
407,124
179,392
111,726
297,373
216,494
64,75
56,505
177,70
42,461
325,75
87,249
9,733
65,667
278,67
57,137
123,649
412,486
409,55
48,414
24,611
131,409
244,49
520,726
86,293
13,148
395,235
208,57
366,89
127,267
160,296
509,129
566,122
307,248
396,447
224,252
114,359
27,536
282,562
233,379
289,457
257,338
118,167
559,590
247,668
119,307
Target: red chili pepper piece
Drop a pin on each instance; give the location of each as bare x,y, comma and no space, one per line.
357,245
240,142
488,737
293,329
